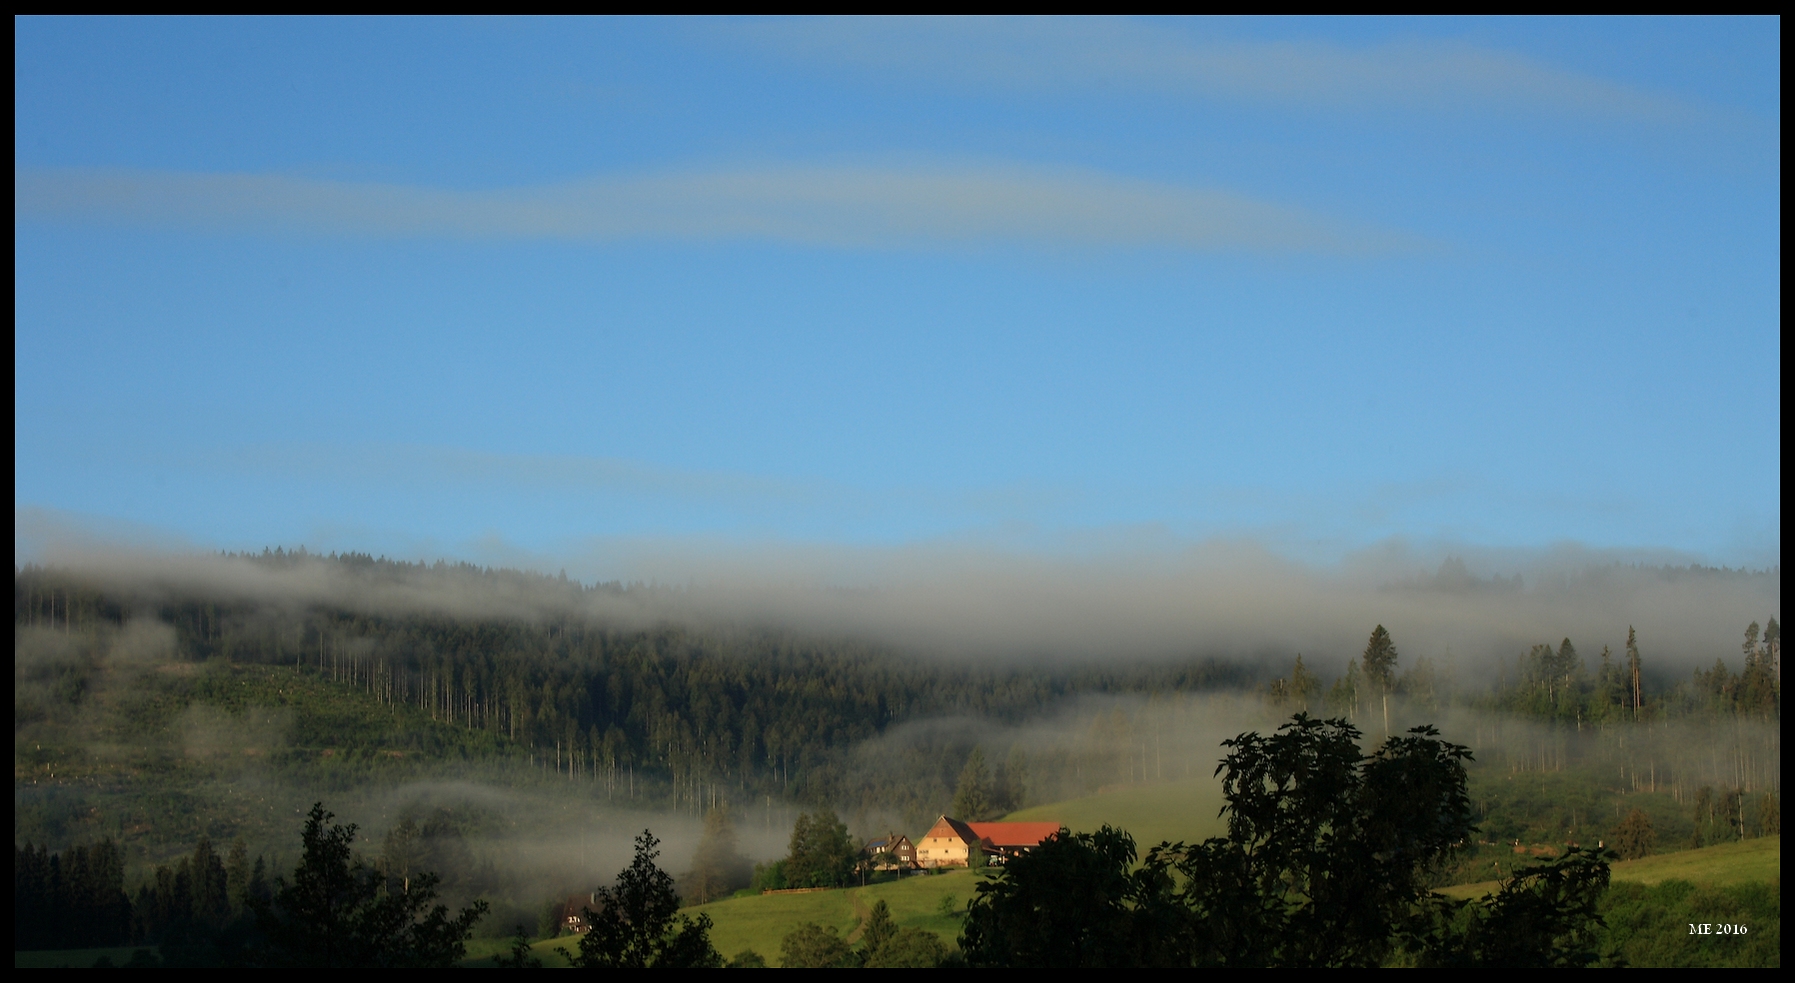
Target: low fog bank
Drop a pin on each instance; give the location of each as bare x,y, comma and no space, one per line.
1096,745
1228,600
518,845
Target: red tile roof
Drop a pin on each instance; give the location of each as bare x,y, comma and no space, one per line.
1014,834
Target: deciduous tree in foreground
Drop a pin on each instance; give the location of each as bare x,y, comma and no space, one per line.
1325,864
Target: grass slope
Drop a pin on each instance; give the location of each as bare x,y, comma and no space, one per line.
1152,814
1753,861
761,922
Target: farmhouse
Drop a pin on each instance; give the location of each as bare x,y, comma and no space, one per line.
897,850
950,842
1004,840
573,918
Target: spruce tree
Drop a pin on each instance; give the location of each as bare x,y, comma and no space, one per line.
1636,837
1633,666
972,796
717,866
337,913
638,925
1380,667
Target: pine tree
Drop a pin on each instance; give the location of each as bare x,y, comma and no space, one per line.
236,876
1633,662
335,913
1380,667
717,866
210,886
1012,781
1635,837
1305,686
972,796
1770,816
1420,685
1610,688
638,925
1343,698
879,929
1704,817
1757,684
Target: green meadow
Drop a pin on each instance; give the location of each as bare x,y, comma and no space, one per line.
760,922
1747,862
1152,814
1729,863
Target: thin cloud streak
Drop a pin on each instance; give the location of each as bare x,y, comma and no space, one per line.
838,206
1060,55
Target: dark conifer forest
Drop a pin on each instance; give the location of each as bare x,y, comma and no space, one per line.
169,735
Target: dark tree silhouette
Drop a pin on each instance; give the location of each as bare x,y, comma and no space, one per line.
821,854
973,794
718,867
1073,901
638,925
1635,838
337,912
1380,667
1325,864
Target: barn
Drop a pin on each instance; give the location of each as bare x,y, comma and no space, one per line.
950,842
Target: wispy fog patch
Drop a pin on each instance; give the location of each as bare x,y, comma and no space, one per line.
36,651
546,843
208,732
142,642
1069,750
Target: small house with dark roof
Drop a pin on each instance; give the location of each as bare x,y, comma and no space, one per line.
894,852
573,912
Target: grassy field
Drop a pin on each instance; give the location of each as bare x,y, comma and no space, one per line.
1170,811
1753,861
1151,813
760,922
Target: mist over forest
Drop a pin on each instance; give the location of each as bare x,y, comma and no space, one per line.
533,723
1231,601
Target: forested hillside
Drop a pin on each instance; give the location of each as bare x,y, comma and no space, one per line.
157,711
114,687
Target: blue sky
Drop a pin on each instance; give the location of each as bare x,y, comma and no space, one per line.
496,288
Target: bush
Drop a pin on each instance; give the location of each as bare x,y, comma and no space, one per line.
769,877
1635,837
746,959
812,946
1649,926
909,948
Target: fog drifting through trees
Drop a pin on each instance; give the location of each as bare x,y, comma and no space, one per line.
545,814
